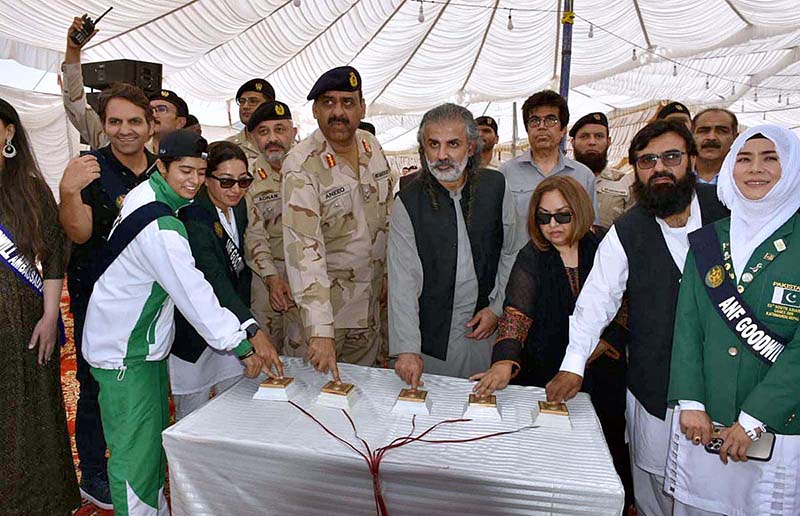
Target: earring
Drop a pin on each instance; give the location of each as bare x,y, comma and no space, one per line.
9,151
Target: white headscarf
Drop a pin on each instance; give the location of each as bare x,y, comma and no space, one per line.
752,222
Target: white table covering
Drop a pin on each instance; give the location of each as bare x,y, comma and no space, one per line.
239,456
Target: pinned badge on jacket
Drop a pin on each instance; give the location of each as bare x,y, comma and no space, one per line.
715,276
218,229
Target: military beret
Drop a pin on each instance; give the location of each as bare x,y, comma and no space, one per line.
488,121
591,118
270,110
366,126
192,120
172,98
258,86
182,143
342,78
671,108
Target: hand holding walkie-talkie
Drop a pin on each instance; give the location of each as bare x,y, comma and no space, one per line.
81,35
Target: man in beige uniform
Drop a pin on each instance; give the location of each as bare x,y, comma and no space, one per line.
590,143
250,95
487,128
270,127
336,198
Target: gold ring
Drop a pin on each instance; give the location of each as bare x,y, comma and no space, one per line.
697,439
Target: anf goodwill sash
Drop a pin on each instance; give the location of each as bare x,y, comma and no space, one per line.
25,270
752,333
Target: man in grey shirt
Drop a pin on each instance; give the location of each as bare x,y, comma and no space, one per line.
546,116
451,249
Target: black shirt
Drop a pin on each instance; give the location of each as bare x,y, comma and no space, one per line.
104,195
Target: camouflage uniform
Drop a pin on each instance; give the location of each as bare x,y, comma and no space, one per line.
247,145
613,194
263,252
335,227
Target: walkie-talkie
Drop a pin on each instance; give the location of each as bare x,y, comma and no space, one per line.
79,37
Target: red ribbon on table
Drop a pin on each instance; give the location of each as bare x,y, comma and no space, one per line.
373,458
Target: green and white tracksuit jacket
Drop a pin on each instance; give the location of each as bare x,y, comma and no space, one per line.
130,315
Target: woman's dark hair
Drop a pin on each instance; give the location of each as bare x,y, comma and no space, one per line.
22,191
220,152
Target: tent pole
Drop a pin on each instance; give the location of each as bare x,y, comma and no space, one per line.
513,129
567,20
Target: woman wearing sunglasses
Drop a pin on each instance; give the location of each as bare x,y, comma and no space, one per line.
544,283
215,223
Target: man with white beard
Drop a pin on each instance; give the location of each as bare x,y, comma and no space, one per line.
451,249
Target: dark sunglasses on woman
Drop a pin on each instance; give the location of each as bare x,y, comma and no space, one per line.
562,217
227,182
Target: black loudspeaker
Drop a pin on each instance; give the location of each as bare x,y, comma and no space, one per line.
100,75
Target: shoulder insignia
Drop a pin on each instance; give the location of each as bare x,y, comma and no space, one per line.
330,161
262,173
366,145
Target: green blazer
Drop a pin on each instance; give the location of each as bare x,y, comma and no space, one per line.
711,366
211,258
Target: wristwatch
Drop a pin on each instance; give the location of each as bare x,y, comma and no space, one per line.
753,433
252,330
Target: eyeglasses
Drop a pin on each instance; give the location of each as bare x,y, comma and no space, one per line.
670,158
161,108
249,101
227,182
549,121
562,217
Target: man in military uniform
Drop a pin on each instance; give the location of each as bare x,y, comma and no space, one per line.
170,113
250,95
676,111
487,127
590,143
336,198
271,128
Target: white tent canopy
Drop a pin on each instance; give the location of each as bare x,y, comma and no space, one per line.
739,53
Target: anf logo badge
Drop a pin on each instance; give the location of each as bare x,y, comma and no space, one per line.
120,200
353,79
259,86
786,297
279,110
218,229
715,276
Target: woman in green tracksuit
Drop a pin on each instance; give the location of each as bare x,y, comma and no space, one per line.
130,325
736,351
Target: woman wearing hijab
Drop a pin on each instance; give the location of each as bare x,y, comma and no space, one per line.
736,355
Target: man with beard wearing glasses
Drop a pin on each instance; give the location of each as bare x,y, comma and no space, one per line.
249,97
590,143
643,255
336,197
714,132
271,128
451,249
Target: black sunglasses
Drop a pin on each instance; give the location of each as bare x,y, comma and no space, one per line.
562,217
226,182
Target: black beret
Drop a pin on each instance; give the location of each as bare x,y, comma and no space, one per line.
342,78
671,108
487,120
270,110
174,99
258,86
591,118
192,120
182,143
366,126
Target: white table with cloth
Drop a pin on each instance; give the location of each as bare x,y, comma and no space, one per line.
239,456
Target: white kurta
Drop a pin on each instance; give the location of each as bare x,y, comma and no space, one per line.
597,304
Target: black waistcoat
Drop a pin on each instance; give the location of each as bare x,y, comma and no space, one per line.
436,235
653,282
